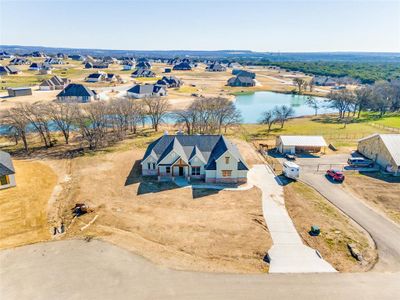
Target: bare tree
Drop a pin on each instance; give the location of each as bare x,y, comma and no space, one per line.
283,113
363,97
311,84
37,115
342,100
313,103
156,108
16,120
63,116
92,123
300,82
136,114
268,118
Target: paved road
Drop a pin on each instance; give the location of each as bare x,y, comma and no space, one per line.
97,270
288,254
385,233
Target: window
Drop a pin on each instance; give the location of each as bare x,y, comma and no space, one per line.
168,170
154,166
4,180
149,166
226,173
227,160
195,170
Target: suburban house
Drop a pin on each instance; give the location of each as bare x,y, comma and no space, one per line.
109,59
143,73
96,77
169,81
211,158
183,66
38,54
4,54
146,90
38,66
234,65
384,149
77,57
7,171
53,61
45,70
300,143
243,73
20,91
77,93
215,67
143,65
9,70
20,61
128,65
62,55
241,81
54,83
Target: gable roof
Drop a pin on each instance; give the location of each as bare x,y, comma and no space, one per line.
207,147
6,165
391,142
76,90
303,140
54,81
182,66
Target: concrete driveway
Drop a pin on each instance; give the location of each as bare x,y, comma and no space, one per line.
385,233
288,254
77,269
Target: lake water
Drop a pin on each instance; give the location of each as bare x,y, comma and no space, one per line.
253,105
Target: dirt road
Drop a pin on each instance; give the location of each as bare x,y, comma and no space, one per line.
97,270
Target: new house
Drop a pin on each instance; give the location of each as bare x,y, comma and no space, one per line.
212,158
128,65
9,70
300,143
241,81
53,61
7,171
146,90
169,82
143,65
54,83
243,73
77,93
143,73
215,67
96,77
183,66
20,61
38,66
384,149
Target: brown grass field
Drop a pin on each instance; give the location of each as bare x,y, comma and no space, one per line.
23,218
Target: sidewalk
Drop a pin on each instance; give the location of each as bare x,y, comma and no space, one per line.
288,253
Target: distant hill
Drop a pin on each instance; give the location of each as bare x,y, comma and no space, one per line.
245,55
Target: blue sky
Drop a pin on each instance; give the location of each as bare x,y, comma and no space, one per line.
288,25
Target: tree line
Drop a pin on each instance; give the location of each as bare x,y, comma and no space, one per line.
100,122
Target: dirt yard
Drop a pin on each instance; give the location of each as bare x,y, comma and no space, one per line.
306,208
186,229
23,218
379,191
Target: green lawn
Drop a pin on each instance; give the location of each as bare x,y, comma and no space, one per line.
328,127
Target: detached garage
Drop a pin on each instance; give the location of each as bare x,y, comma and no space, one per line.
300,143
384,149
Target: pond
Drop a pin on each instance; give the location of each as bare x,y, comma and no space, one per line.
253,105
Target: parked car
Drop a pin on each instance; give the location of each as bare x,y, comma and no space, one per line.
290,156
360,162
336,175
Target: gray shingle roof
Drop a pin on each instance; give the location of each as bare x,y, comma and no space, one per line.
76,90
210,148
6,165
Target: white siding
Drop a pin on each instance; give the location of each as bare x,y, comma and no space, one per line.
12,183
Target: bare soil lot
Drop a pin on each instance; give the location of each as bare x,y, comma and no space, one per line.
186,229
379,191
306,208
23,217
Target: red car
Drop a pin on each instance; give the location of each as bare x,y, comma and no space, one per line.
336,175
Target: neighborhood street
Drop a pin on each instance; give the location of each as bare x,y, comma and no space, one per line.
385,233
76,269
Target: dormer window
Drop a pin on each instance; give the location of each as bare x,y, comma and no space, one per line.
227,160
